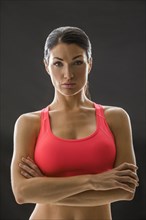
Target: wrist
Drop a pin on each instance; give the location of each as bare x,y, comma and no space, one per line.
94,182
90,183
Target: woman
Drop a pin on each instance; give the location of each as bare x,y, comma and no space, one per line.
74,157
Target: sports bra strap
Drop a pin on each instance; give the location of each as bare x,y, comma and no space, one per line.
44,113
99,110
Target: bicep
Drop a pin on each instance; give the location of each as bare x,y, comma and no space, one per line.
123,138
24,142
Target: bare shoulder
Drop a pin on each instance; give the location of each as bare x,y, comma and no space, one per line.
30,120
116,116
119,122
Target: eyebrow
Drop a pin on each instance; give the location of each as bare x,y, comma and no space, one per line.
72,58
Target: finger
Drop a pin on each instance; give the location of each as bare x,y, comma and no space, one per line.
125,187
127,179
28,170
32,165
128,173
34,172
125,166
29,162
25,174
29,158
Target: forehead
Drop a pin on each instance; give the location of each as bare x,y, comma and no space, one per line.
63,50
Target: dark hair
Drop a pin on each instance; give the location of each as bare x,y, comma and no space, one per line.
69,35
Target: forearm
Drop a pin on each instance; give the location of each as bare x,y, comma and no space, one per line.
81,190
96,198
51,189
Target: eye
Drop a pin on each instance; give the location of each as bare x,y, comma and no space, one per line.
78,62
58,64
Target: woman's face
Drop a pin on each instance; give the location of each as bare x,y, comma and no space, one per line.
68,68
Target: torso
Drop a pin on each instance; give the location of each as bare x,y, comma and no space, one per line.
55,212
73,125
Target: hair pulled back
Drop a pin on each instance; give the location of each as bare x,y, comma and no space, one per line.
69,35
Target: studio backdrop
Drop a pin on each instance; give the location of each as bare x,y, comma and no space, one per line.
117,33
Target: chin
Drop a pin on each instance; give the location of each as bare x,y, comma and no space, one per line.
69,93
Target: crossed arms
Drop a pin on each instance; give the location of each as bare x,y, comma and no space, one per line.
29,185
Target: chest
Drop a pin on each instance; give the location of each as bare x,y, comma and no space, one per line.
93,154
73,125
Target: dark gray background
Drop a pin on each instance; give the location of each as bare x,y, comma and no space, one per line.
117,33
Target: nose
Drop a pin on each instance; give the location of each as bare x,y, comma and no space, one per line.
68,73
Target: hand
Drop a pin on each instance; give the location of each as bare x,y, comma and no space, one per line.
124,177
29,169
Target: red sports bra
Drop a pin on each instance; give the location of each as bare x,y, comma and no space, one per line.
58,157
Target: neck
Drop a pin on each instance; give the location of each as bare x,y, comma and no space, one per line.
73,102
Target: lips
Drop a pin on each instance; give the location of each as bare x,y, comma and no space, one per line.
68,85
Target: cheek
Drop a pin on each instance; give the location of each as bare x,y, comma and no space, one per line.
55,77
82,72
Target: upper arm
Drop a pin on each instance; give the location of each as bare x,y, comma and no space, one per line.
120,125
25,135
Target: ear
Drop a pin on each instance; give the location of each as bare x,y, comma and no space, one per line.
90,64
46,65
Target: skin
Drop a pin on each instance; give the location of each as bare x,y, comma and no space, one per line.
78,197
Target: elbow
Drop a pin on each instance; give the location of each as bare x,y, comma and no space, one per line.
130,196
19,200
19,195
